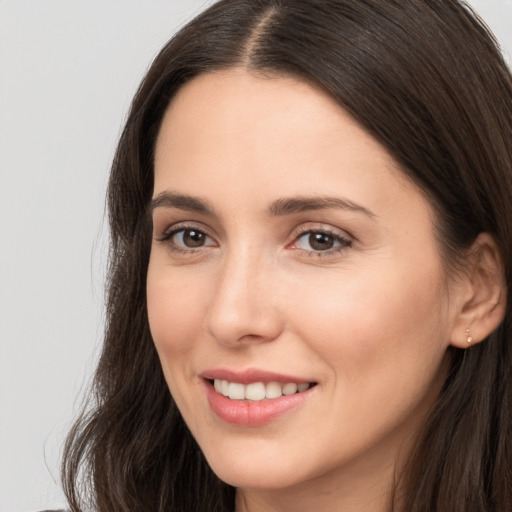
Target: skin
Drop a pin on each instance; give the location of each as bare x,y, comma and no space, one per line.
369,321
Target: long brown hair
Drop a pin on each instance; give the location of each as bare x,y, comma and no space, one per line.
425,78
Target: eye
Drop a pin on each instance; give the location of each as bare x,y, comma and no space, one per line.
184,238
191,238
321,241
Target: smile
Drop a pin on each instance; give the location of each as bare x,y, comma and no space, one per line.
258,391
254,398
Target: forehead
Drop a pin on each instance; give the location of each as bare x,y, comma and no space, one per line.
234,99
266,138
233,113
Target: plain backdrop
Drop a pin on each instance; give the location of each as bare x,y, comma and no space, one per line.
68,70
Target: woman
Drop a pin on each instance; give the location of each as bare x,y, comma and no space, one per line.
311,223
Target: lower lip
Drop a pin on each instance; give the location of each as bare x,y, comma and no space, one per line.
253,414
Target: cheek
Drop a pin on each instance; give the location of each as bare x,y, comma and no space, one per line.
378,322
176,316
175,312
382,341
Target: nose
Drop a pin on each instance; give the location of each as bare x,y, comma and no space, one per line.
243,308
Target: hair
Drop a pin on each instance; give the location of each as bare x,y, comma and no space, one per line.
427,80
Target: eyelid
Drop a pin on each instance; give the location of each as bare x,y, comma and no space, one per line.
171,228
313,227
343,237
166,236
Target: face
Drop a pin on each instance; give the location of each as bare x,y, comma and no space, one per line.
294,269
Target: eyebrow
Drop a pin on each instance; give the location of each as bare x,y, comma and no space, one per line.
280,207
185,202
292,205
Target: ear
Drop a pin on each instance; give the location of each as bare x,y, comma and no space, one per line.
482,294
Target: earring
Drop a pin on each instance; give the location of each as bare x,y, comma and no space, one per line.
469,339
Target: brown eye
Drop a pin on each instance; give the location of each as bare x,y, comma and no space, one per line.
190,238
321,241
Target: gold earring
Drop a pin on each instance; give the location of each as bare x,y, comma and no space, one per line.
469,339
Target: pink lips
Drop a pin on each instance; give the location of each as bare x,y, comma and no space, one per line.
247,413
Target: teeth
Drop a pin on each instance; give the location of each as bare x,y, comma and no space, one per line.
257,391
273,390
236,391
290,389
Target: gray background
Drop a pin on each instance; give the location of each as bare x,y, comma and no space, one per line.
68,70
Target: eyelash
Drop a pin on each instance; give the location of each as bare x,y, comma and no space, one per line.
170,233
343,242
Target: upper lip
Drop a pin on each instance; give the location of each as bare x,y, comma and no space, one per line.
250,375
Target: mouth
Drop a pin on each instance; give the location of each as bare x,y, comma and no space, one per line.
254,397
258,391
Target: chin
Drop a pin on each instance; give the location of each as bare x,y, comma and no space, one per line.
259,469
257,478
